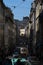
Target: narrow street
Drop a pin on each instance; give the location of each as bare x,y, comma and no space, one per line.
21,32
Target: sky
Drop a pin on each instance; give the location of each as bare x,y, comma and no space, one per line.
22,7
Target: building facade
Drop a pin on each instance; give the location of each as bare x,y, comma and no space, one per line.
10,30
2,22
39,30
36,16
7,29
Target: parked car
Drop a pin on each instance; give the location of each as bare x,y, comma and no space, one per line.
22,50
22,60
13,61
